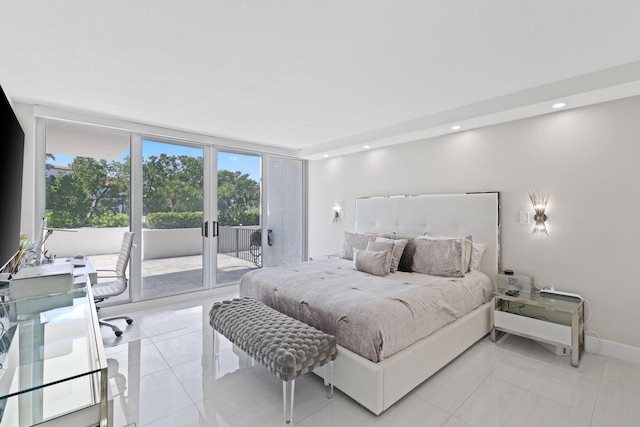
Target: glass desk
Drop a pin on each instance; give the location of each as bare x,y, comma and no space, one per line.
556,321
54,370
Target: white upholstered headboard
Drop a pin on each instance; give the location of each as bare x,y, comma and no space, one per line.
456,215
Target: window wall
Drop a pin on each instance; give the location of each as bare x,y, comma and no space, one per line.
106,179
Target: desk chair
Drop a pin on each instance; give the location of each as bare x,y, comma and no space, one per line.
104,290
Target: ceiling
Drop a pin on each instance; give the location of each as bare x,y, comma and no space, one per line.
319,78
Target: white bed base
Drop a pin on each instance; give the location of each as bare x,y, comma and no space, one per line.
377,386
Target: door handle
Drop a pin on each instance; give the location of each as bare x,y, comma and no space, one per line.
205,229
215,229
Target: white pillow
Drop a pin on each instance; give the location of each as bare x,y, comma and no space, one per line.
372,262
440,257
355,240
476,255
396,254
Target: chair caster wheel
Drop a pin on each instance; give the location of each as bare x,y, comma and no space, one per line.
118,333
129,321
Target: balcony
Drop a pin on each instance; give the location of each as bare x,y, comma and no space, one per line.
172,259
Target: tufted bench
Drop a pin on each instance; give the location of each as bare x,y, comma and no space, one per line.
287,347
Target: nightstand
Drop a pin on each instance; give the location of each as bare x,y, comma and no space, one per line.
555,321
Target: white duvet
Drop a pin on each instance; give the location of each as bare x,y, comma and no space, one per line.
372,316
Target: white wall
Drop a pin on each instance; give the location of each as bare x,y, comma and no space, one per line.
587,158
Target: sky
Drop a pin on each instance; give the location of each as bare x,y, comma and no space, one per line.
226,160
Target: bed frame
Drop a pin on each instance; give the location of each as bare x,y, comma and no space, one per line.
377,386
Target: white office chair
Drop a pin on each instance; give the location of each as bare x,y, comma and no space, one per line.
104,290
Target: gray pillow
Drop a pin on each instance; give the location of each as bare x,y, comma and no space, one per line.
355,240
467,246
382,246
396,254
372,262
440,257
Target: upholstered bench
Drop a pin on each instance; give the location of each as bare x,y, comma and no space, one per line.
287,347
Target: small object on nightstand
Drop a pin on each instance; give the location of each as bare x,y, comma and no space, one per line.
508,272
518,282
512,293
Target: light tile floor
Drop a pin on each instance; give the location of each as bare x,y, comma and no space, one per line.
163,374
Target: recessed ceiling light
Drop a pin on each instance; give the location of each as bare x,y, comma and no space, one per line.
558,105
456,127
325,155
366,147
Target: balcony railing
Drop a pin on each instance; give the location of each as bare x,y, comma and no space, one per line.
241,242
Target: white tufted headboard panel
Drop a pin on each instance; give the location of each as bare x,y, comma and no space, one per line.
456,215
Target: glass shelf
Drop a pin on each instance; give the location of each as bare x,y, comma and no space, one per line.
52,358
534,298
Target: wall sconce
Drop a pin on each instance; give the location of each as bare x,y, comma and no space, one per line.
337,210
539,200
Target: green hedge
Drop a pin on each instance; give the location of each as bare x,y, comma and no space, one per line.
164,220
58,220
110,219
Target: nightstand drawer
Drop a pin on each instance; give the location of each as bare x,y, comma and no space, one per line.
533,328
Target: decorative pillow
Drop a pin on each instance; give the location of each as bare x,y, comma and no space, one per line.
440,257
476,255
467,246
382,246
406,260
396,254
372,262
355,240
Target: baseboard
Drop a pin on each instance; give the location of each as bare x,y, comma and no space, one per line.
612,349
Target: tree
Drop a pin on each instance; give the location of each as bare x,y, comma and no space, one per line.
173,184
238,199
92,189
95,188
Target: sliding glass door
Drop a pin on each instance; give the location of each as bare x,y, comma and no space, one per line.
202,216
172,217
239,240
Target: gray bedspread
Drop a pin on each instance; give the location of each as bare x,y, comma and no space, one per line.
372,316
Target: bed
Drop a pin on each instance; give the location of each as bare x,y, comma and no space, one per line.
394,331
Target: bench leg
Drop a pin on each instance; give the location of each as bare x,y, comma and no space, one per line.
288,389
216,343
328,379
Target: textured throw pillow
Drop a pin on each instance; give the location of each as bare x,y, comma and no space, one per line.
372,262
440,257
396,254
476,255
467,245
382,246
355,240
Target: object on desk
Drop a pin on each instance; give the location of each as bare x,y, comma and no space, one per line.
5,278
78,261
518,282
41,280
